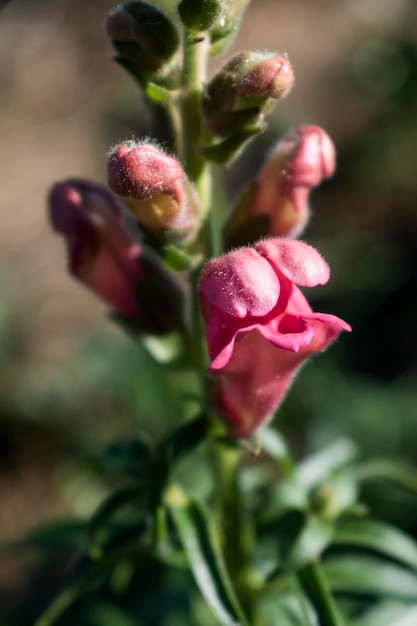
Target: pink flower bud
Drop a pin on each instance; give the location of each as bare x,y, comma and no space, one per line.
273,78
103,256
244,90
154,187
260,328
300,162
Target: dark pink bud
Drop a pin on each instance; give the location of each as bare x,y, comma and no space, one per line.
103,256
300,162
154,187
260,328
139,170
273,78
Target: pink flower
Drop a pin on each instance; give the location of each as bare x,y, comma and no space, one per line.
101,253
260,328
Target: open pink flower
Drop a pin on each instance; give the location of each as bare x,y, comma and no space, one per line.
101,253
260,328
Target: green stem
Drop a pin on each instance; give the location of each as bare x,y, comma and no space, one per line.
192,84
235,524
315,587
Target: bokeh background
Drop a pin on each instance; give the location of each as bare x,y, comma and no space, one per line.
70,383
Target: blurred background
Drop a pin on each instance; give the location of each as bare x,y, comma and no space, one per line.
70,382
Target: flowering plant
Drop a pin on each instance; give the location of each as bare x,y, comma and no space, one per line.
217,293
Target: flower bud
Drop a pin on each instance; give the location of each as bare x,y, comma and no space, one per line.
153,186
245,90
199,15
143,36
104,256
276,203
227,25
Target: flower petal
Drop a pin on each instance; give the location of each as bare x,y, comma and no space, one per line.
240,283
298,261
249,394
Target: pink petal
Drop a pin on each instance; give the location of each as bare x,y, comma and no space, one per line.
249,395
289,332
240,283
298,261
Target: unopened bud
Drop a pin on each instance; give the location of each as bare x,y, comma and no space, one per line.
272,77
227,25
244,90
276,203
143,36
199,15
103,256
153,186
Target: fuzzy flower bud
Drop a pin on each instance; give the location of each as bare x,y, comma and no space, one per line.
103,255
199,15
260,329
153,186
244,90
144,37
276,203
226,27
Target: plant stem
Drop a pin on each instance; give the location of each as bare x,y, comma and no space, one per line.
235,524
315,587
192,84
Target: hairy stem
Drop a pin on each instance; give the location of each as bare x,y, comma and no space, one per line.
192,85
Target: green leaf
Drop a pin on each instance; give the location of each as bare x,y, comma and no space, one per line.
284,497
184,439
157,93
318,467
229,149
173,448
403,474
366,576
94,575
337,495
379,537
107,614
389,614
272,442
163,349
313,539
206,561
110,507
131,457
178,260
284,609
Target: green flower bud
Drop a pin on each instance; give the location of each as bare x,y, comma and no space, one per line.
226,27
244,90
144,37
199,15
